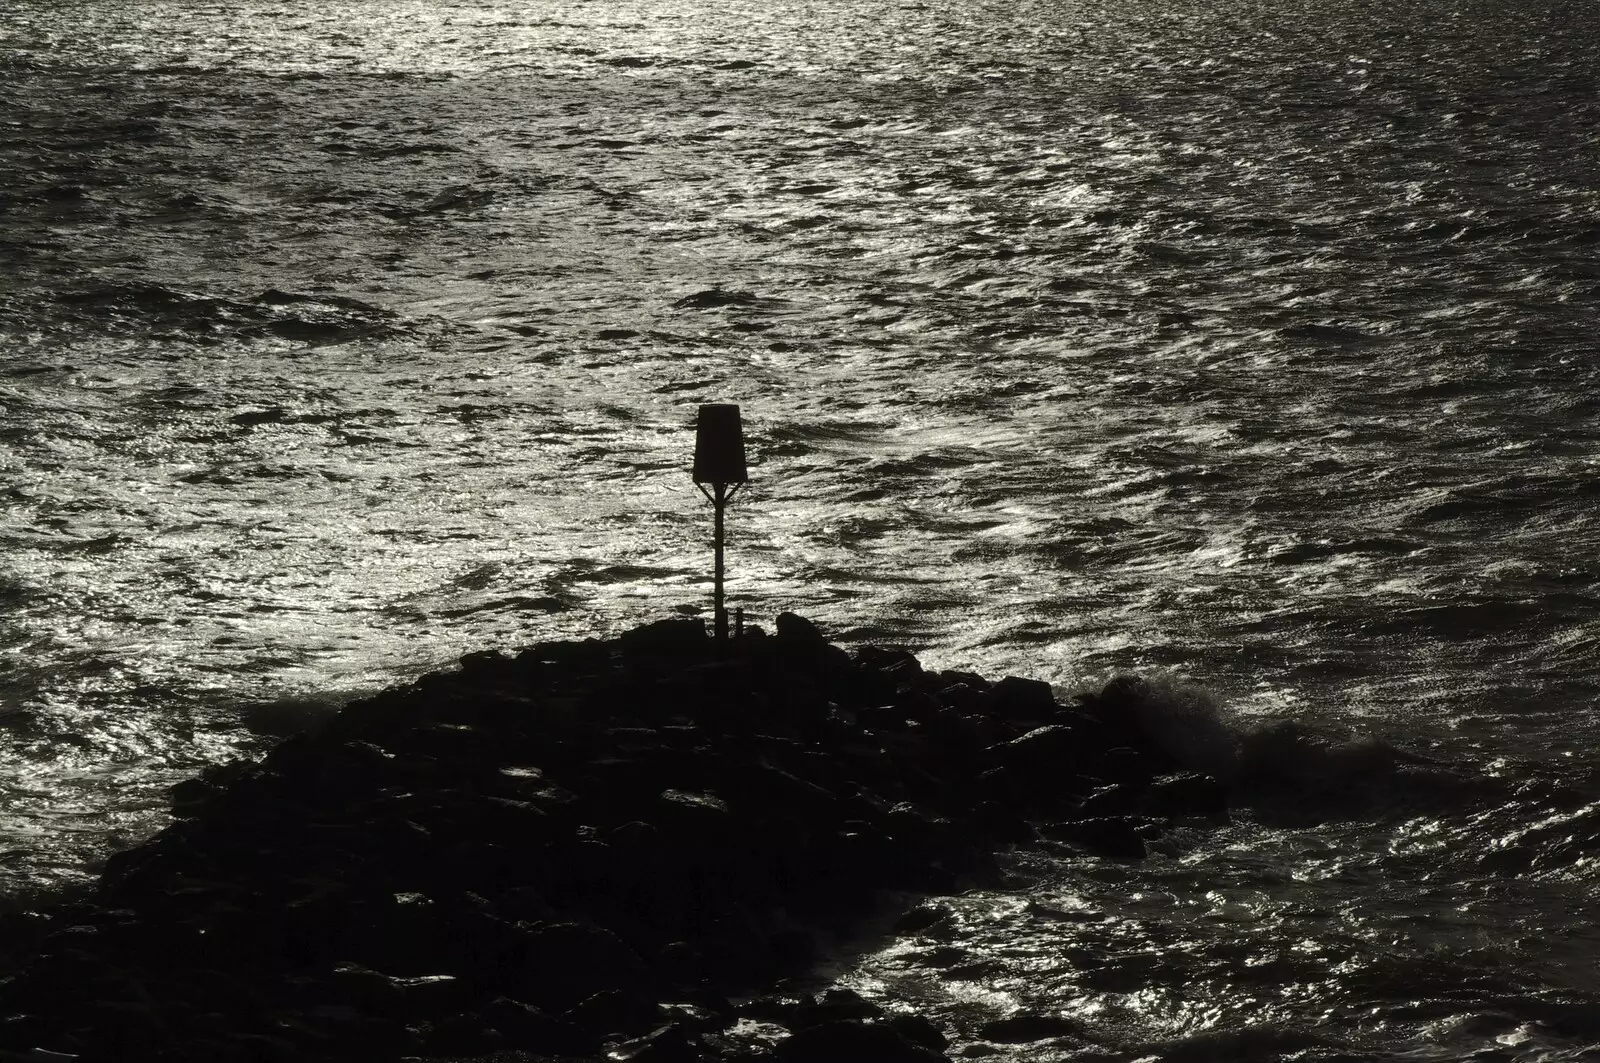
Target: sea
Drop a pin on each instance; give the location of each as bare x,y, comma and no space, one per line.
1245,345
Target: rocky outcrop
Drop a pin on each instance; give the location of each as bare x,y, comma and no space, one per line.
584,847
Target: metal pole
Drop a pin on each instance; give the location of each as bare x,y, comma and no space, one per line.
720,613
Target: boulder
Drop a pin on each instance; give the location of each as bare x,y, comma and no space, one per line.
667,1044
853,1042
1188,794
563,964
1117,837
531,1029
680,637
796,631
919,1030
1025,1027
1021,699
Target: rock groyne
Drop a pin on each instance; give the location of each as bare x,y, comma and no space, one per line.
586,849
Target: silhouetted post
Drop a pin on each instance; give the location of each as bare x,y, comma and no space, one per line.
719,461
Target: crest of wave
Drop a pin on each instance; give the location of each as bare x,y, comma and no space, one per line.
1192,727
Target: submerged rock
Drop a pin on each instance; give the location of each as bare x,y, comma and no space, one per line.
584,844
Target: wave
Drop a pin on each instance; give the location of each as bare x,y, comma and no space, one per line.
138,308
1282,767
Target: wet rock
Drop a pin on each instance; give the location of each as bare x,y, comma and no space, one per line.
922,918
569,962
531,1029
667,638
1117,837
431,995
796,630
540,850
901,667
1043,765
668,1044
1016,698
1112,799
1000,825
1124,764
853,1042
835,1005
920,1030
1188,794
613,1012
1026,1027
463,1034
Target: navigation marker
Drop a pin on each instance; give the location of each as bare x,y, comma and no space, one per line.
719,462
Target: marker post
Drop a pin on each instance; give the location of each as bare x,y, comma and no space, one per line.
719,472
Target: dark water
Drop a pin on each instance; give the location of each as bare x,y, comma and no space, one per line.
1252,343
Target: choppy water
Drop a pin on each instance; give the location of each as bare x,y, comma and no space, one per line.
1252,341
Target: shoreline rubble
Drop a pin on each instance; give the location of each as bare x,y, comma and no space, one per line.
588,849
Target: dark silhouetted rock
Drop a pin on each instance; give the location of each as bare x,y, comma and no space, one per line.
796,629
853,1042
923,917
1118,837
1025,1027
835,1005
665,638
920,1030
669,1044
464,1034
567,963
586,844
531,1029
1188,794
1024,699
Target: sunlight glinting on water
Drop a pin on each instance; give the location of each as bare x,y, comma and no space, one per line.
1250,345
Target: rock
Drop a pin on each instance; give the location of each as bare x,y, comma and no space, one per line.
998,825
900,666
1187,794
708,1011
920,1030
580,656
491,854
489,666
853,1042
1112,799
798,631
685,636
531,1029
924,917
363,989
463,1034
668,1044
1117,837
1043,766
1024,699
1025,1027
433,994
836,1005
778,1010
563,964
612,1012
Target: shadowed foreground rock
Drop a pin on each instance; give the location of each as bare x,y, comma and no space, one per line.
582,849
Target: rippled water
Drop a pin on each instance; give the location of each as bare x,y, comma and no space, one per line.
1248,341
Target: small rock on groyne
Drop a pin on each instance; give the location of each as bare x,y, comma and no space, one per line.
583,849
